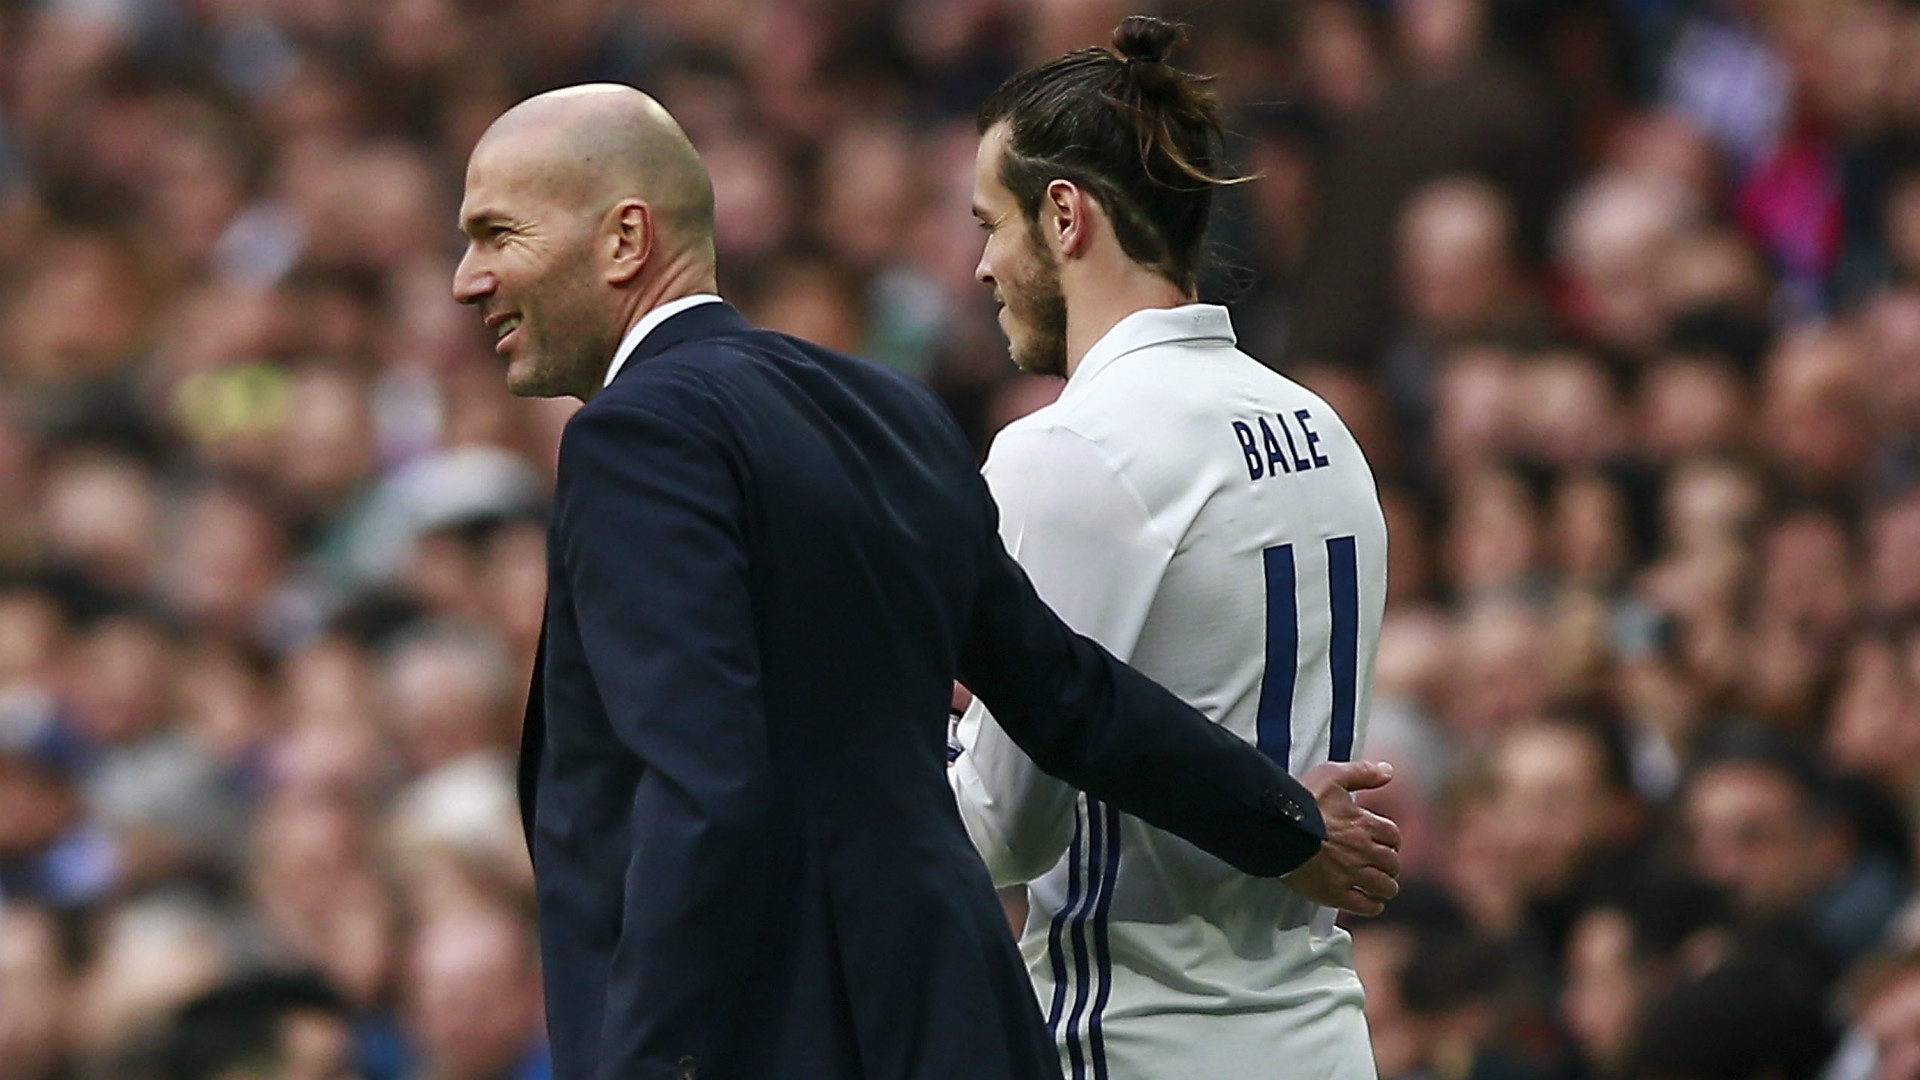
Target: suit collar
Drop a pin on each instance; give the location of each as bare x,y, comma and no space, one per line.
689,317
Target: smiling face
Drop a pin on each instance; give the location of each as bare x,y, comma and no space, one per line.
1023,273
530,268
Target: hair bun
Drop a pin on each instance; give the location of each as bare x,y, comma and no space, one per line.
1147,39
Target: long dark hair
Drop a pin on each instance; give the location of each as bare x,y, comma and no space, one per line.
1137,134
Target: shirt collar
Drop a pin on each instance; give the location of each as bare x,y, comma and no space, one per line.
1153,326
646,326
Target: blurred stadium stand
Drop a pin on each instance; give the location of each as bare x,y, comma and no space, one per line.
1621,296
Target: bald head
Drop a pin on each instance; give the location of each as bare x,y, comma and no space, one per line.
602,142
584,209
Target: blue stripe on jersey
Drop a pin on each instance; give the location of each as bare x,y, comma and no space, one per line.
1055,954
1083,973
1103,951
1273,731
1343,580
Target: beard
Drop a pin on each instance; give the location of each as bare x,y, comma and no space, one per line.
1038,307
567,340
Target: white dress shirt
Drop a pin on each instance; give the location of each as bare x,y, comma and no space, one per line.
644,326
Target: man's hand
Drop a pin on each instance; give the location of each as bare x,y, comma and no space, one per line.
1356,868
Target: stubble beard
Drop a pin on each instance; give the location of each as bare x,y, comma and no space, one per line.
1038,305
565,352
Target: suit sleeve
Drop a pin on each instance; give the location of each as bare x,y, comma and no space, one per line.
652,535
1086,540
1108,730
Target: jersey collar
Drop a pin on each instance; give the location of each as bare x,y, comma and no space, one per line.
1149,327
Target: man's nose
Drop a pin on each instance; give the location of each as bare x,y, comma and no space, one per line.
470,282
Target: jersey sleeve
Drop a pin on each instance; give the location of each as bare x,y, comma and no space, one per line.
1088,543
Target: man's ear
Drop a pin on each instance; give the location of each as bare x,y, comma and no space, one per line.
629,240
1068,218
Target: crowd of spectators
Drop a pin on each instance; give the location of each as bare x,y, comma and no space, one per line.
1622,298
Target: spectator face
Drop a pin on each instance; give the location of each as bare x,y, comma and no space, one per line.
1893,571
448,699
227,563
374,209
100,513
1344,67
1668,148
1476,400
78,317
1493,539
120,682
515,584
323,902
1713,270
1022,272
37,807
1806,578
33,982
1892,1021
1692,406
1813,411
1438,35
420,37
1380,954
327,442
1751,831
1708,504
752,201
1601,1000
196,186
812,301
225,705
867,177
1498,675
1455,257
315,1046
1569,414
1892,328
153,956
1615,232
1875,726
32,633
1589,529
472,993
1555,803
1903,222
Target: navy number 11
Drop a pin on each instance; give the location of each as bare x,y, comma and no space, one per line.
1275,724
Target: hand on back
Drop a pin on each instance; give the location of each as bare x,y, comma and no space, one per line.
1357,868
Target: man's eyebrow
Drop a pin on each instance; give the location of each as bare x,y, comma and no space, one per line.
480,219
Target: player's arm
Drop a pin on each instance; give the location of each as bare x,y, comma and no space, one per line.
1110,731
1086,540
651,537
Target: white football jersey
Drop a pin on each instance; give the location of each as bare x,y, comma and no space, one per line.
1214,524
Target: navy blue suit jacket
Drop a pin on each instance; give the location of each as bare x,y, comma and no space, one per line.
768,562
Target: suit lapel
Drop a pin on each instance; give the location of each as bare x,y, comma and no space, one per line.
533,733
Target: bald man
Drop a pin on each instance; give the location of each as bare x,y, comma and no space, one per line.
768,561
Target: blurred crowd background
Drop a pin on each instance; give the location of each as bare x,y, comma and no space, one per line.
1621,296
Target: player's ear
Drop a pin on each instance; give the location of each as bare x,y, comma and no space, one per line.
1067,215
628,240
